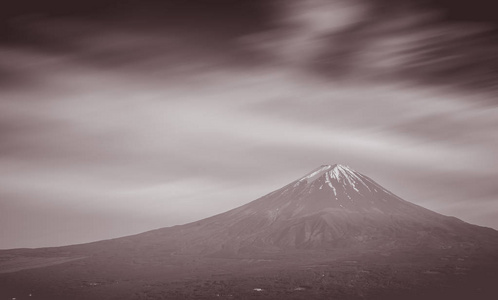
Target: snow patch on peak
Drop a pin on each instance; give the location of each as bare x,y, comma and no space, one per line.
339,173
315,174
343,168
344,173
327,180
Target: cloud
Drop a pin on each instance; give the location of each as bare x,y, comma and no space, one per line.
136,131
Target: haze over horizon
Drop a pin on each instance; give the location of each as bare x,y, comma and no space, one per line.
121,120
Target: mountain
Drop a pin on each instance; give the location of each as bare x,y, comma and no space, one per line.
332,206
333,233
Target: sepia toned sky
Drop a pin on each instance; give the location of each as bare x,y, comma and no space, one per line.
124,120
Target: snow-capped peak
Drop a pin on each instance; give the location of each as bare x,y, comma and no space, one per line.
347,176
341,174
340,171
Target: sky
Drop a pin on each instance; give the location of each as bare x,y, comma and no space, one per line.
122,119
